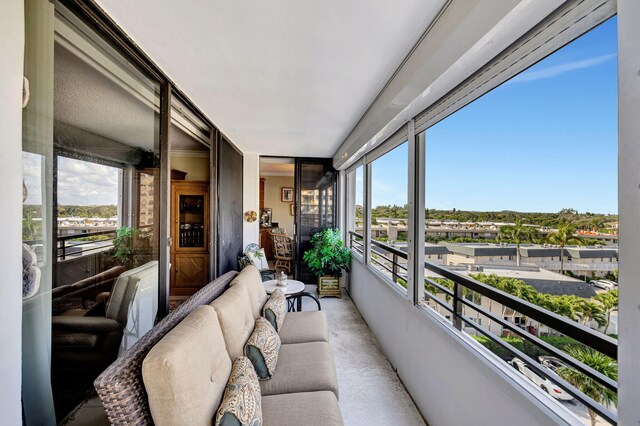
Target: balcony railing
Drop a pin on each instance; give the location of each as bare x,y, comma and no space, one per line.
459,301
84,244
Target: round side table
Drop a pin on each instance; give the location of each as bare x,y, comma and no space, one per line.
293,292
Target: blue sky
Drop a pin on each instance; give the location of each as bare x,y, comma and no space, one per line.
543,141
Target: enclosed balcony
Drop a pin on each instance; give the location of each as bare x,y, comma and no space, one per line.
478,159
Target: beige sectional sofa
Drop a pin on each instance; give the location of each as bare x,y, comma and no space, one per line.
186,370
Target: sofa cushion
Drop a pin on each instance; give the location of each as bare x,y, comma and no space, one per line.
275,309
262,348
242,401
186,372
303,367
236,320
250,280
307,408
303,327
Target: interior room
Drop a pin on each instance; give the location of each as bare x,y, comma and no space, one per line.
320,213
277,205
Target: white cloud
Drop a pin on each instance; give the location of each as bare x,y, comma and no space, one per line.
556,70
84,183
32,177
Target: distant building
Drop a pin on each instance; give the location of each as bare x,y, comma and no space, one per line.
587,261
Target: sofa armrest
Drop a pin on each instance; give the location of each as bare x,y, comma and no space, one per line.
85,324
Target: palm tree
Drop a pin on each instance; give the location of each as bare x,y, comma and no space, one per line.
609,302
590,311
590,387
517,233
562,237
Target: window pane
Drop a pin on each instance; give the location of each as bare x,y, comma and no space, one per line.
521,195
388,224
91,160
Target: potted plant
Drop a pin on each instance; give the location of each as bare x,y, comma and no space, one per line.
327,259
131,247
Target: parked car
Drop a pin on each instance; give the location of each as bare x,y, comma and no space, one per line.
545,384
604,284
551,362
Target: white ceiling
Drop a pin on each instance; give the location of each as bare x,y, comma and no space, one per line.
282,77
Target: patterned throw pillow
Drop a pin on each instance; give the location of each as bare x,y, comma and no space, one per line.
242,402
275,309
258,258
262,348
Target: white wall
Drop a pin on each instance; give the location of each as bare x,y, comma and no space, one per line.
281,212
12,48
251,197
629,207
450,382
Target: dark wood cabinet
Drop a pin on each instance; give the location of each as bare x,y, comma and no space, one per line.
189,236
265,242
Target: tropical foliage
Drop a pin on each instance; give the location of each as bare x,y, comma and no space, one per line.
573,307
609,302
564,236
587,220
599,362
328,255
131,247
518,234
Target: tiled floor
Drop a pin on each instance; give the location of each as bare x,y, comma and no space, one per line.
370,391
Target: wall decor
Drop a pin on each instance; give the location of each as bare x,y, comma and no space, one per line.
250,216
292,209
287,194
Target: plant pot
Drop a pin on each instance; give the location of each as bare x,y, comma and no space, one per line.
329,285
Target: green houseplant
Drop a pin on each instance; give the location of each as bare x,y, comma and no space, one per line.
327,259
131,247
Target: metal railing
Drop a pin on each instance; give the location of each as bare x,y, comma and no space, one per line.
457,302
82,246
384,256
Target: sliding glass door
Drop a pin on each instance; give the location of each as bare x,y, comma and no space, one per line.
91,212
315,207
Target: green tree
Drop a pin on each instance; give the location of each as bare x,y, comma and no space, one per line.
599,362
609,302
563,236
591,311
518,234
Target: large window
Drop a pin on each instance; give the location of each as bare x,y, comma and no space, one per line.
537,156
388,224
521,195
520,192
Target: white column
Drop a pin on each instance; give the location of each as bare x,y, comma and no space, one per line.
12,48
629,208
251,197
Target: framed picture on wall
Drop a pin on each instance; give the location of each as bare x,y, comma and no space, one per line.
287,194
292,209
